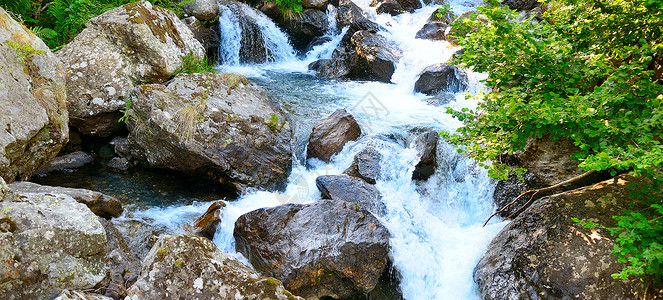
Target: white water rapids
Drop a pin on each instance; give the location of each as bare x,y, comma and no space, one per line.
437,237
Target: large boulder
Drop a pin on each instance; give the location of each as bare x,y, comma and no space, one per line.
100,204
132,44
192,267
33,113
204,10
440,78
366,165
218,126
377,56
550,160
319,4
330,135
544,254
329,248
49,242
353,190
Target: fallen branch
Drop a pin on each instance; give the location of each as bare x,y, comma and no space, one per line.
534,193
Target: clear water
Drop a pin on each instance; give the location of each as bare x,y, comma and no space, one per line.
437,237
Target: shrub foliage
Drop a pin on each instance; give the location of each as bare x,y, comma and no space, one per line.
590,71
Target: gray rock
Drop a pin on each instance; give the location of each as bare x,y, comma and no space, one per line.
325,249
521,5
391,7
33,114
204,10
192,267
124,262
72,160
351,15
352,190
121,146
330,135
543,254
427,147
341,64
308,25
218,126
140,235
49,242
377,56
78,295
132,44
319,4
432,31
366,165
435,27
441,78
550,161
207,35
120,164
100,204
395,7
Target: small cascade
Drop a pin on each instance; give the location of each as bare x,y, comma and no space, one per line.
332,29
248,36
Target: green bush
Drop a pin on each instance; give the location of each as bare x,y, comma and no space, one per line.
590,72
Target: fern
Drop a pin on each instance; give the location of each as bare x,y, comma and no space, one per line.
44,33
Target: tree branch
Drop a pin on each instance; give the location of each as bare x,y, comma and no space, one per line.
534,193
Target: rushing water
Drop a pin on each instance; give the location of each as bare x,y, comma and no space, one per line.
437,236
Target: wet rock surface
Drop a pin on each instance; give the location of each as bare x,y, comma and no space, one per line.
325,249
330,135
353,190
377,56
366,165
193,267
441,78
426,144
205,225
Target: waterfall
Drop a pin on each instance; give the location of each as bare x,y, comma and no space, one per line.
249,36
